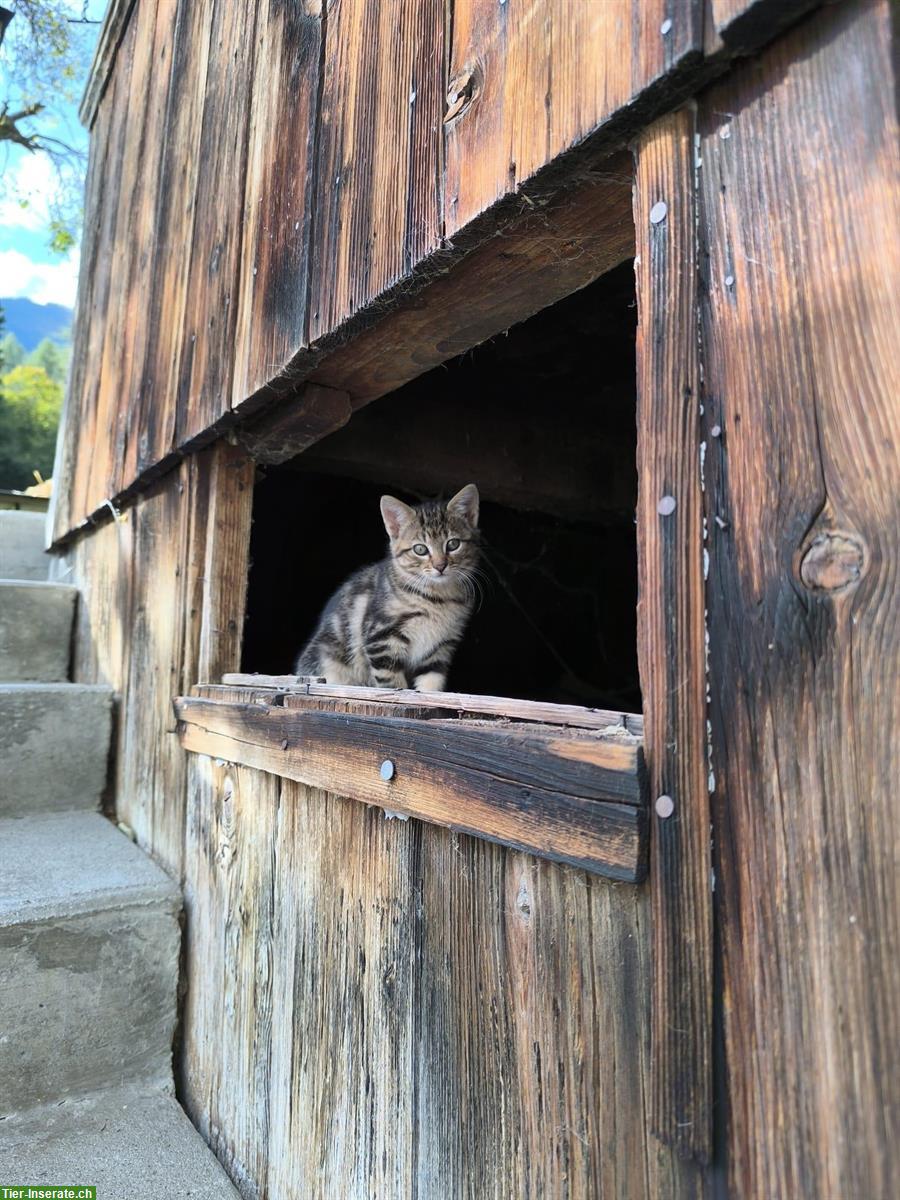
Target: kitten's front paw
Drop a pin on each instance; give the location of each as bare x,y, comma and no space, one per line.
432,682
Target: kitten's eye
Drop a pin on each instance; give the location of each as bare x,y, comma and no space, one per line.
453,544
419,549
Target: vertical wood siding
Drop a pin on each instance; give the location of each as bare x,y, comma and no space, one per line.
154,615
373,1008
800,329
272,169
386,1009
543,74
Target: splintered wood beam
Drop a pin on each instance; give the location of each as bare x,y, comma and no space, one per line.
575,797
451,702
296,424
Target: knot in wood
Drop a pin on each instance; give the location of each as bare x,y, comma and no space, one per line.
461,92
831,562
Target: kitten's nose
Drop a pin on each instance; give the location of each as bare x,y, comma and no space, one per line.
440,565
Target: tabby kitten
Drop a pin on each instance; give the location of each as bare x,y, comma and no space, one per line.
398,622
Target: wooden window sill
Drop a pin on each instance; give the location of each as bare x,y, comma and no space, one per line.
562,782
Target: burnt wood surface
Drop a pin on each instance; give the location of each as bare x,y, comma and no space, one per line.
671,646
577,799
800,328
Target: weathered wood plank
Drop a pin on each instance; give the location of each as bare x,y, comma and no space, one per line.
113,398
142,246
150,784
90,432
378,162
498,785
278,197
230,1007
155,413
801,322
103,64
537,77
489,706
226,560
207,339
671,634
342,1100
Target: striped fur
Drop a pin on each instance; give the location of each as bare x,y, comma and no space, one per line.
397,623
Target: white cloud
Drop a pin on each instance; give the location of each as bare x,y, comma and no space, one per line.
44,283
31,180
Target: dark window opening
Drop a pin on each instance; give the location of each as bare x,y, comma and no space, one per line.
542,419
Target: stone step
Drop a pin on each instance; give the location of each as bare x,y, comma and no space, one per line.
35,630
22,554
130,1143
89,941
54,746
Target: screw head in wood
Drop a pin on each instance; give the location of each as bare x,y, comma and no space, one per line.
665,806
666,26
666,506
658,212
387,770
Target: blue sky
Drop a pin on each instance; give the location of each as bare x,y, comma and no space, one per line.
27,265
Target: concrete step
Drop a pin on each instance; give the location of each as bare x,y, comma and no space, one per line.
89,940
131,1144
22,554
35,630
54,746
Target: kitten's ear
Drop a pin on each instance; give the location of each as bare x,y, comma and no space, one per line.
465,503
395,515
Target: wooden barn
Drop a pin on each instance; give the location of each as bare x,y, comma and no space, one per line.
617,915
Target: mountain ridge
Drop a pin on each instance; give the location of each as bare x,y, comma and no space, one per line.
31,322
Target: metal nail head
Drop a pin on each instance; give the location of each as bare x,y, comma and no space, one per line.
666,506
666,26
658,212
387,770
665,806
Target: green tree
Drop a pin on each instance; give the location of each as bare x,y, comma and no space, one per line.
45,49
30,404
12,352
52,358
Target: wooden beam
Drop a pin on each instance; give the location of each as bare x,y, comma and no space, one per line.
575,799
671,639
743,25
296,424
571,457
115,23
535,257
450,702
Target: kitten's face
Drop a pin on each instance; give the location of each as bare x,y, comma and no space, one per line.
434,545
